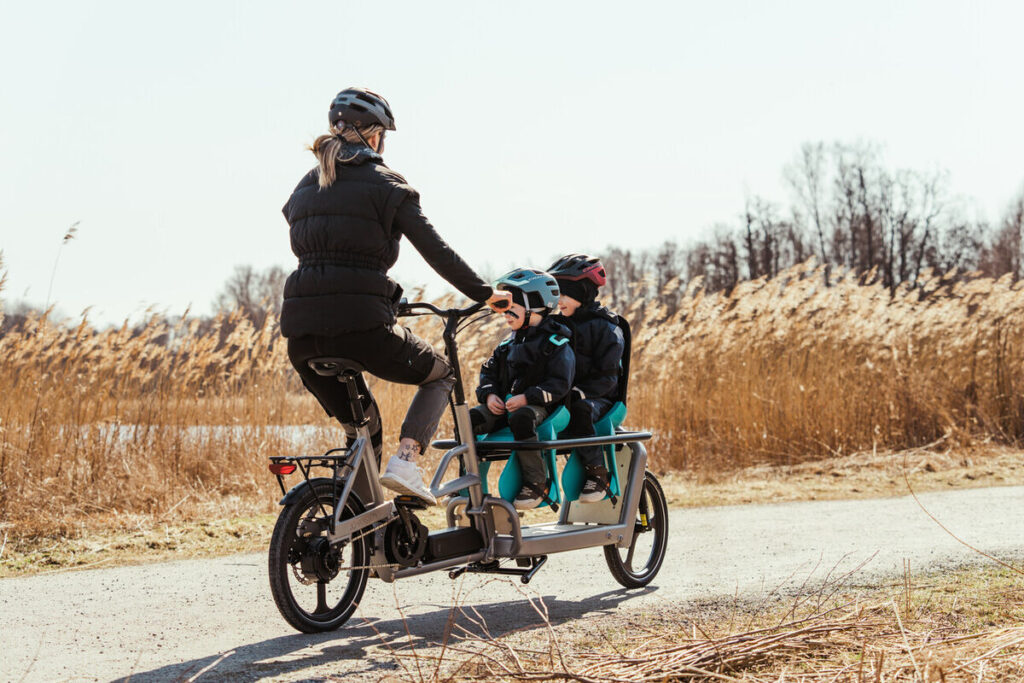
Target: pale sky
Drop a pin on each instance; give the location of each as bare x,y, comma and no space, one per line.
175,131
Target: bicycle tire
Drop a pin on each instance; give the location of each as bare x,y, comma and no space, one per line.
298,527
652,505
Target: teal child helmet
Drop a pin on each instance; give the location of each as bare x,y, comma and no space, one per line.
535,290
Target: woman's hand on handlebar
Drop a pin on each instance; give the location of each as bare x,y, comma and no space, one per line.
499,301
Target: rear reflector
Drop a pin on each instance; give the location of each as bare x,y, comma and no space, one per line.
282,467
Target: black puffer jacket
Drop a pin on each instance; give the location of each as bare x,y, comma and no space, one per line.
599,343
346,238
537,362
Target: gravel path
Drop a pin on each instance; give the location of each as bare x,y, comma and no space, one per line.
169,621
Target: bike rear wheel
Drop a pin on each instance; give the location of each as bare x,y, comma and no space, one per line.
637,565
316,585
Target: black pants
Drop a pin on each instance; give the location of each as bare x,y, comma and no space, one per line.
523,424
583,413
393,354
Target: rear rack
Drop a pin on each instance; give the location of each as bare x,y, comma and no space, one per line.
336,459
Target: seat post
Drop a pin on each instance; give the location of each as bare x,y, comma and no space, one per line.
355,400
346,371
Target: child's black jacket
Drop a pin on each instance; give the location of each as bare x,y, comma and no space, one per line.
598,343
537,362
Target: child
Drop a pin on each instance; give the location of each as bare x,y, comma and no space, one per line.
533,368
598,343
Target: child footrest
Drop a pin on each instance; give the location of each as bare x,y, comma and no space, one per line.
511,479
573,475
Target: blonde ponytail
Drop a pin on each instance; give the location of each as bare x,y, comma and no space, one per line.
328,148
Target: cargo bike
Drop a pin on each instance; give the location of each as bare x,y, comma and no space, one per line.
337,530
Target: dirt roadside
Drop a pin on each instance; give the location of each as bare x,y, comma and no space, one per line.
169,621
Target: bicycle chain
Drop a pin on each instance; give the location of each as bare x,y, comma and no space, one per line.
309,582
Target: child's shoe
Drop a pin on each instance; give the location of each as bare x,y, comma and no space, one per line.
530,496
595,486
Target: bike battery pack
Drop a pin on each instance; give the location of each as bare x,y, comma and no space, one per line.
464,540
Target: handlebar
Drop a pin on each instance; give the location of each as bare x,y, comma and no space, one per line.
406,308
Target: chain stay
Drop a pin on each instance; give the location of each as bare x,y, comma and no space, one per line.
309,582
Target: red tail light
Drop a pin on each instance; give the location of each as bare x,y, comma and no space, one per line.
282,467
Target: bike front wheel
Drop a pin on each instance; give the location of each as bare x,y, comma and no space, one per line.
637,565
316,585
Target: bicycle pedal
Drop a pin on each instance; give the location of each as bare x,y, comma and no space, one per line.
413,502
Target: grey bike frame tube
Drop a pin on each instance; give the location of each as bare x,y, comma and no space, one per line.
561,541
370,469
376,509
358,446
472,466
440,564
442,467
449,511
361,521
455,486
463,482
637,468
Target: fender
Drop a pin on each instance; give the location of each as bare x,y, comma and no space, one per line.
294,491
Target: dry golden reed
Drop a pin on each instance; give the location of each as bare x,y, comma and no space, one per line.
177,420
786,369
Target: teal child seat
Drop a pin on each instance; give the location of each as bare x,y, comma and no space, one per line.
511,479
572,475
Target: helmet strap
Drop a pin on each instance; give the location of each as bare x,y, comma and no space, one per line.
380,146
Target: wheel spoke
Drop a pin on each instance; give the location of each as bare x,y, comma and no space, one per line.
321,597
629,555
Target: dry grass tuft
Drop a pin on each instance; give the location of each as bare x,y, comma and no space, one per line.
959,627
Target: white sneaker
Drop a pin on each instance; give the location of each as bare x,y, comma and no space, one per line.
404,477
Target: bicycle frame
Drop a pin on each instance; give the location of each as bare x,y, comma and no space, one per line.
360,475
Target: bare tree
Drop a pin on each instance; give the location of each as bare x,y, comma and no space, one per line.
807,177
716,261
255,293
850,210
1004,253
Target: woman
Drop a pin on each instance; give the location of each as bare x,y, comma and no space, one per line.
347,216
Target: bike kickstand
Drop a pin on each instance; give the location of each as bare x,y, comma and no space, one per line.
457,572
539,562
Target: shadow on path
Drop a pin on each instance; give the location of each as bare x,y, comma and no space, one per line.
362,646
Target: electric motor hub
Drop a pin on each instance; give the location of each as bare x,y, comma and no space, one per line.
320,561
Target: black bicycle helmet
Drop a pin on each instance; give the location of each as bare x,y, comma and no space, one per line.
535,290
361,107
579,267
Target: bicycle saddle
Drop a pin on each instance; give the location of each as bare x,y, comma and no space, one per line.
332,367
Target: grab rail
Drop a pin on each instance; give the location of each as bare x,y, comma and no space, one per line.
501,446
